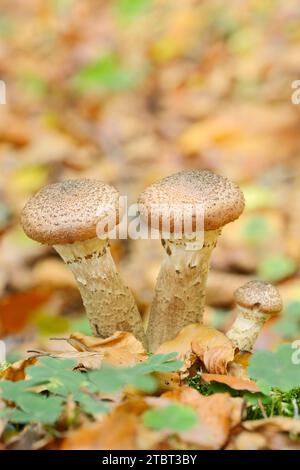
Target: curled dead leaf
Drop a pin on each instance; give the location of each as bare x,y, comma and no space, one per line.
236,383
213,348
120,349
194,341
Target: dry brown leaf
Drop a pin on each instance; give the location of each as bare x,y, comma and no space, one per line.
87,360
16,371
3,421
211,346
120,349
247,441
122,424
218,415
214,349
236,383
276,423
16,310
239,366
270,433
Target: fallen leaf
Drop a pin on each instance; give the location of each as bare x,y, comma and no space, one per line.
16,371
120,349
218,415
33,437
87,360
3,421
276,423
16,310
238,367
236,383
117,431
247,441
213,348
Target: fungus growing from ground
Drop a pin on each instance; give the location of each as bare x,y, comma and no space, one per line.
180,290
256,302
67,215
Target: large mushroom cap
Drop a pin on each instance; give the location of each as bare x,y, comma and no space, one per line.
69,211
222,201
261,294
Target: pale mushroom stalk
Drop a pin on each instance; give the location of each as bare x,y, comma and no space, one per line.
109,304
180,287
67,215
256,302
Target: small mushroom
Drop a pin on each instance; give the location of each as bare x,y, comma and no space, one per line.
256,302
180,290
67,215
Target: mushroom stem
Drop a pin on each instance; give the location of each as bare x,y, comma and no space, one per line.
110,306
247,326
180,289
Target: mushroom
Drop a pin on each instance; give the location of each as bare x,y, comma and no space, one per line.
256,302
67,216
180,290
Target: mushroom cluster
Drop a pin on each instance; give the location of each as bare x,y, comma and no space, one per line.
180,289
67,216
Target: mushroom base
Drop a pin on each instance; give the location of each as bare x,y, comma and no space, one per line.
246,328
110,306
180,289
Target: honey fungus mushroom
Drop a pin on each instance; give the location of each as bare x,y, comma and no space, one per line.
180,289
67,215
256,302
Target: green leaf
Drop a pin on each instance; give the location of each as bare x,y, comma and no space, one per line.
108,379
11,391
160,363
91,405
258,197
275,369
289,324
176,417
82,326
276,267
105,73
145,383
39,408
57,375
129,9
256,229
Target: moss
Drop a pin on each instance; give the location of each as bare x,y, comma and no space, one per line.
277,403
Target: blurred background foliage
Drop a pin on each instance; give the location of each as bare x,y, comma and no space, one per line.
129,91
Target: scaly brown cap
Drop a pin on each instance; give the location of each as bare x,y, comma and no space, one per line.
69,211
261,294
222,200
